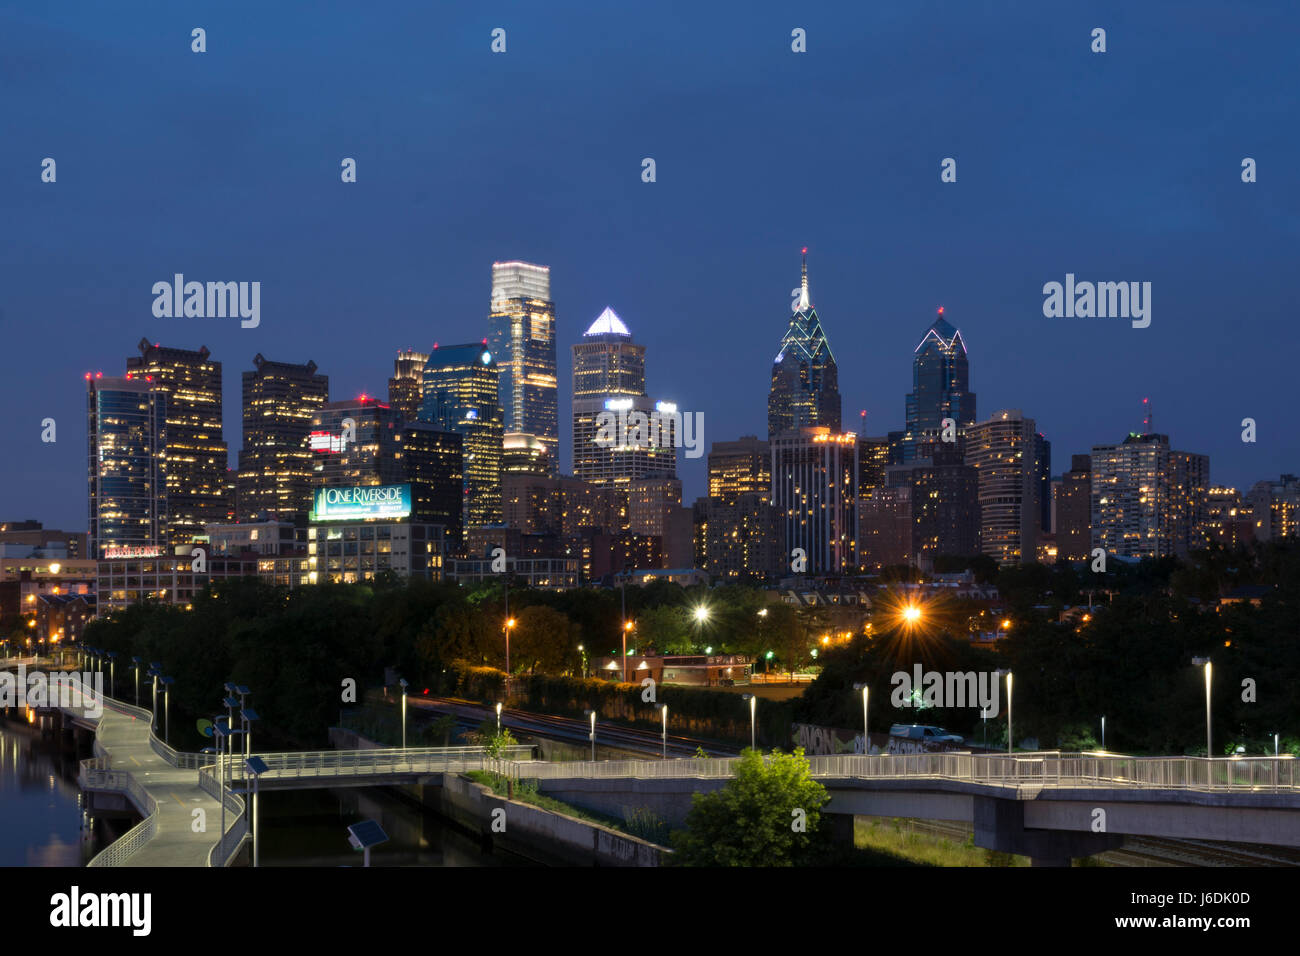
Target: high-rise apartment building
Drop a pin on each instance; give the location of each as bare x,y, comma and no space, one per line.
742,533
940,386
406,387
815,491
805,387
126,427
1276,506
356,442
280,400
461,394
1229,521
521,335
943,505
1074,511
433,465
197,457
1003,450
1148,501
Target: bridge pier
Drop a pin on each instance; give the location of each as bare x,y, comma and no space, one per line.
1000,826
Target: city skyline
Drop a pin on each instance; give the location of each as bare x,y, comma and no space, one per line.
699,262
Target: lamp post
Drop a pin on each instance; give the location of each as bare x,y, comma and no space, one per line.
510,622
663,710
135,666
1205,661
1010,735
403,685
154,672
1103,733
627,626
592,735
246,716
167,709
256,766
583,651
498,718
753,711
866,727
112,672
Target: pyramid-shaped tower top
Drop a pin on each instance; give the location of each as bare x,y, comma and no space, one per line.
608,323
943,332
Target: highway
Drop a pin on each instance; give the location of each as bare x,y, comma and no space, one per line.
569,730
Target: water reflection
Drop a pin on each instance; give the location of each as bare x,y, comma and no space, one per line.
40,803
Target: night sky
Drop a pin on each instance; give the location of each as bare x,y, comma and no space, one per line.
1122,166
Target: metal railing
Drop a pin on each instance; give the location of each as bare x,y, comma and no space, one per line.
357,763
1025,772
237,831
95,774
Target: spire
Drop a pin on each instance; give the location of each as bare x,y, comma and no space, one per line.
805,303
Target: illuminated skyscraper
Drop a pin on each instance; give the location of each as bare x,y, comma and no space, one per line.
461,394
742,533
368,453
805,379
609,390
406,387
815,490
1004,451
197,457
1148,501
280,400
521,335
940,385
1074,511
433,463
126,426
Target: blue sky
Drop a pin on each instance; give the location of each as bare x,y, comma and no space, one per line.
225,166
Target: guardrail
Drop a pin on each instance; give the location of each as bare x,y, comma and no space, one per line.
94,774
237,832
356,763
1027,771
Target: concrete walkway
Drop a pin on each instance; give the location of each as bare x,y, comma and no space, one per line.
125,741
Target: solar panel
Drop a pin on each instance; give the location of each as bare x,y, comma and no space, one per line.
367,833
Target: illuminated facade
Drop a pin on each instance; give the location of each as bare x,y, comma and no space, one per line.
1003,451
740,467
944,503
349,551
280,401
406,387
126,425
521,335
1148,501
940,386
805,379
740,529
1229,521
373,458
815,491
197,457
1276,506
433,464
610,447
564,506
461,394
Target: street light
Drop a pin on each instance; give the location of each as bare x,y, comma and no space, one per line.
583,651
403,684
498,718
1103,733
753,705
1198,661
510,622
154,672
1010,735
663,709
167,709
592,735
627,626
135,666
256,766
112,671
866,728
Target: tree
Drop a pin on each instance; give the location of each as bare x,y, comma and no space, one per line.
768,814
666,628
541,640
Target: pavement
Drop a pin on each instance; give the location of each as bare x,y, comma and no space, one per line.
125,740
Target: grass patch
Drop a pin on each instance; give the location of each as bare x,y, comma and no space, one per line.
642,823
898,838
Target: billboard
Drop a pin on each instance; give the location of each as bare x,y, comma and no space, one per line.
357,502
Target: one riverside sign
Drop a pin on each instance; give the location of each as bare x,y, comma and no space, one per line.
355,502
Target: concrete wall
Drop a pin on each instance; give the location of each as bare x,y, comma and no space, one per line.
668,798
541,834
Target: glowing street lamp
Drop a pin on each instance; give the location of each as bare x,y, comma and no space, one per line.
592,735
403,685
866,727
498,718
753,710
1199,661
663,710
510,623
1010,736
627,626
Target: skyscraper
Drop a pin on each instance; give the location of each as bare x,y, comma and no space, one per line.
433,464
1147,500
521,334
1003,450
940,385
197,457
371,456
280,400
815,489
805,379
1074,511
406,387
609,387
126,427
742,532
461,394
943,504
